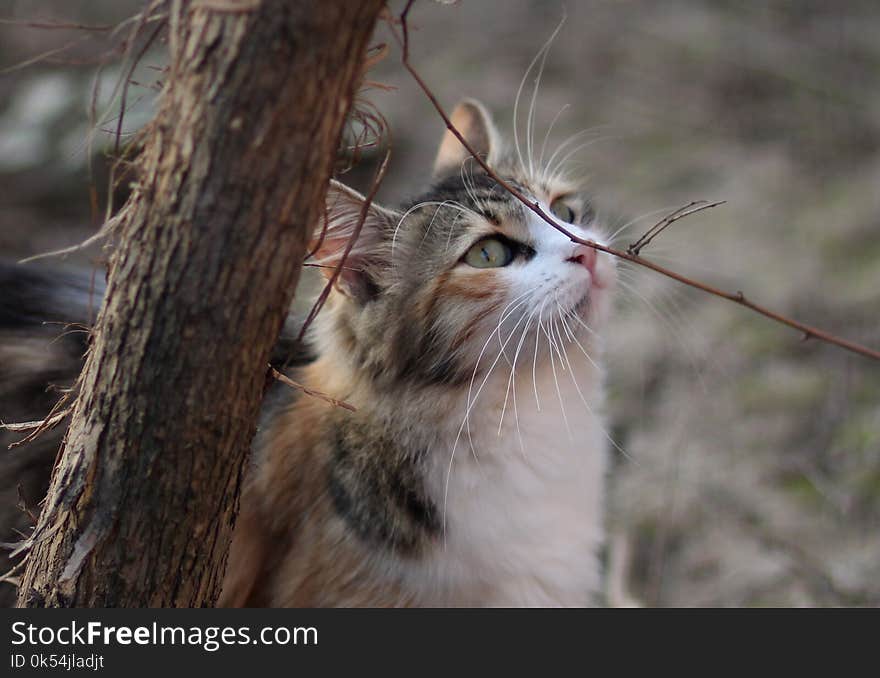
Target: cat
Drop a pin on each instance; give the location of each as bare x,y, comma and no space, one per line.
36,350
465,331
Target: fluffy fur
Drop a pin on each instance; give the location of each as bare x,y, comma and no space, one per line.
472,472
37,348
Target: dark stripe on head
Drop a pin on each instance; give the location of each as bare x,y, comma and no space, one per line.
465,187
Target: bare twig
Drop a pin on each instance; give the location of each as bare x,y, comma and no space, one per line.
11,576
23,506
325,224
362,217
91,240
143,50
43,56
682,212
47,56
37,427
284,379
228,6
62,25
808,331
106,228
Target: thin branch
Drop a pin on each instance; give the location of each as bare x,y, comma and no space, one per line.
347,268
51,25
362,217
106,228
682,212
43,56
37,427
22,505
284,379
808,331
227,6
11,576
325,224
140,55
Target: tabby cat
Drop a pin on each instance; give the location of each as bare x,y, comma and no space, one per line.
465,331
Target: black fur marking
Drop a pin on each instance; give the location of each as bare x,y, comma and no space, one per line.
445,371
32,295
424,360
378,491
42,299
463,189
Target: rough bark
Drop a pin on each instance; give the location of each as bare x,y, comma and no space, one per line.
143,500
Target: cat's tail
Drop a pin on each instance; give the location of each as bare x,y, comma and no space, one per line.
45,315
32,295
49,301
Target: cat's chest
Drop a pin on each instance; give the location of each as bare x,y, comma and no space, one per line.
522,497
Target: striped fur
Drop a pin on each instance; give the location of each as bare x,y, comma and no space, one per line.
461,479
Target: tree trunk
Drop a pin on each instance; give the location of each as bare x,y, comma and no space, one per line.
234,171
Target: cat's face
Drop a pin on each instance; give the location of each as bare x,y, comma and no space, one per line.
465,273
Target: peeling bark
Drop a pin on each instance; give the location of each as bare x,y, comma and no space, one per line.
143,500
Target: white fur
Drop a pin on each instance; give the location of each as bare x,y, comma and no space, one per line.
522,503
523,528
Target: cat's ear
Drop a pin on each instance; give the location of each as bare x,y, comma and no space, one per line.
475,124
369,252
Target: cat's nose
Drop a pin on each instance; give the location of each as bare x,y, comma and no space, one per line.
585,256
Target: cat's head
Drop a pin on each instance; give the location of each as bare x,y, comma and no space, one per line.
439,288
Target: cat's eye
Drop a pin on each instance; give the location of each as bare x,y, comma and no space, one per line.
489,253
561,210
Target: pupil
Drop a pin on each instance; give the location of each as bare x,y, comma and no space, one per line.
486,257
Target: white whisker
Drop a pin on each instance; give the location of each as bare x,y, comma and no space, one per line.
554,170
676,335
574,316
556,381
417,206
511,382
535,357
471,401
467,421
559,149
443,204
589,409
547,137
530,120
519,92
573,337
551,339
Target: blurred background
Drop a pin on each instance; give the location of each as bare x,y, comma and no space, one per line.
751,472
